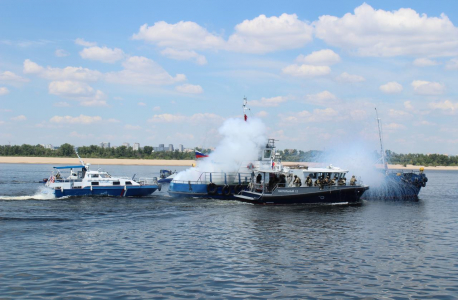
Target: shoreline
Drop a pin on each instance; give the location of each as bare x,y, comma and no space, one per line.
165,162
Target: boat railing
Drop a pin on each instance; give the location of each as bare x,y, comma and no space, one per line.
219,178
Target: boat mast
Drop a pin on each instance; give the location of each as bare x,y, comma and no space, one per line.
245,108
381,143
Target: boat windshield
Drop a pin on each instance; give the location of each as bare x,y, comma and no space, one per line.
104,175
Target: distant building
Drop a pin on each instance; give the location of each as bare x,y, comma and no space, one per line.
170,148
159,149
48,146
126,145
105,145
136,146
180,148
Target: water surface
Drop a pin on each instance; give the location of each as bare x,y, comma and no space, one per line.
159,247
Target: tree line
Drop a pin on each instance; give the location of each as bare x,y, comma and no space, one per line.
94,151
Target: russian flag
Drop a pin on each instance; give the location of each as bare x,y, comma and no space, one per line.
200,154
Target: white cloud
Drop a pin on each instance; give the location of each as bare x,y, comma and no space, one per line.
447,106
196,118
306,70
84,43
61,104
103,54
408,105
19,118
3,91
268,34
262,114
82,119
141,104
184,55
394,127
452,64
349,78
189,89
132,127
259,35
182,35
79,91
67,73
318,115
425,62
167,118
140,70
373,32
268,102
324,98
428,88
61,53
10,77
324,57
391,88
156,108
398,114
113,121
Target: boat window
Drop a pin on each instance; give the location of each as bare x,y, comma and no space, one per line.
267,153
80,174
128,183
95,183
95,175
116,183
104,175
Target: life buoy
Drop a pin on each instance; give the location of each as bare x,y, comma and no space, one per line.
237,189
212,188
226,190
250,166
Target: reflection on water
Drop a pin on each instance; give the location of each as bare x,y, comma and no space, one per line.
160,247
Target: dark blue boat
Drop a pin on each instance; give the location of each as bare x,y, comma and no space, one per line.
395,185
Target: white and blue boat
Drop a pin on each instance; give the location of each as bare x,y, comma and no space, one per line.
81,181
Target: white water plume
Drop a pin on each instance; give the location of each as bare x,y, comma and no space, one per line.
358,159
43,193
240,144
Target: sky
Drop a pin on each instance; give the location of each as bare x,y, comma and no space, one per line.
171,72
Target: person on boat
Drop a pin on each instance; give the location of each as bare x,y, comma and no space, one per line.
317,182
259,178
297,181
308,181
353,180
343,181
58,176
327,181
333,181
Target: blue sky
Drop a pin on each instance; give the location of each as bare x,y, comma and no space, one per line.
171,72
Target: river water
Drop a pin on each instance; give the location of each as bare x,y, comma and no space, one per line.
159,247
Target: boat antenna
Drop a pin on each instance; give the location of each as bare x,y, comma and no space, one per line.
81,161
245,108
381,142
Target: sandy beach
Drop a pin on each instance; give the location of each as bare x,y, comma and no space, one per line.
163,162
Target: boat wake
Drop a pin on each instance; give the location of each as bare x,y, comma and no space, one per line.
43,193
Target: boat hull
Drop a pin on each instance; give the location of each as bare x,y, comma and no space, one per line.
200,190
306,195
111,191
405,186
